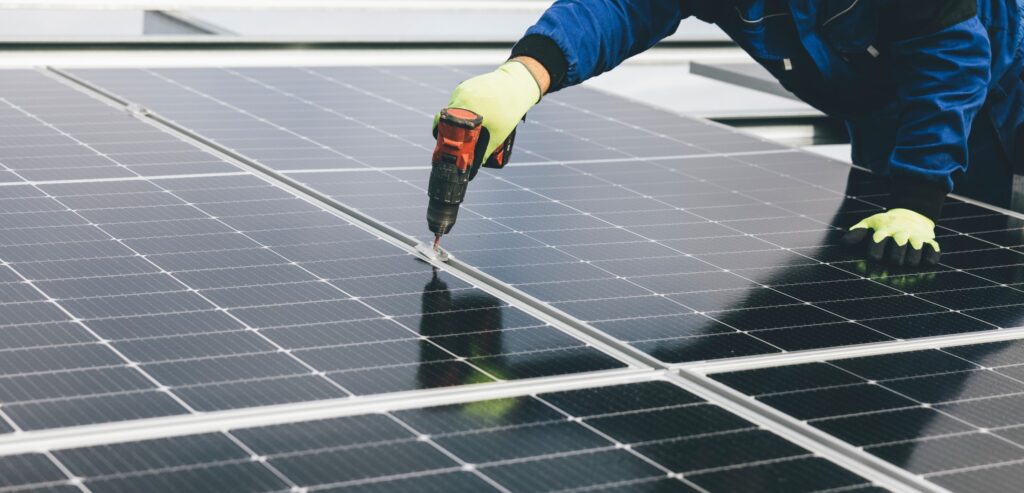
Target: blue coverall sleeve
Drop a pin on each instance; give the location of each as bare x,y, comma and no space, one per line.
942,79
597,35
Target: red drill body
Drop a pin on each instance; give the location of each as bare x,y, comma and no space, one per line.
457,156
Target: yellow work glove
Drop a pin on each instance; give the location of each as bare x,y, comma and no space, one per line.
501,97
894,231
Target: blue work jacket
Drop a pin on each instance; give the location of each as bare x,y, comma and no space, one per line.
909,92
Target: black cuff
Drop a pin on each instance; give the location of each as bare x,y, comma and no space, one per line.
546,51
922,196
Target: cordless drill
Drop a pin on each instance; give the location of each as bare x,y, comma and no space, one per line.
457,157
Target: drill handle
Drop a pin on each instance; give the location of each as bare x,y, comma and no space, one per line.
462,139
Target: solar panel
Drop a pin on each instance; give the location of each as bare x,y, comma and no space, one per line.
137,298
749,75
687,240
650,436
54,132
359,117
949,414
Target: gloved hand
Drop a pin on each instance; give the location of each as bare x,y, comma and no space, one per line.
501,97
894,231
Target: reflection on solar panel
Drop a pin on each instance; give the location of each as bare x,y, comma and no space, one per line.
169,309
950,414
638,437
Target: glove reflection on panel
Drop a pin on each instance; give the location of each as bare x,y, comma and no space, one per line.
901,237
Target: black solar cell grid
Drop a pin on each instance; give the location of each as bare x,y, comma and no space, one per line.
54,132
950,414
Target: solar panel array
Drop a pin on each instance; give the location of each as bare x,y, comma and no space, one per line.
652,437
184,284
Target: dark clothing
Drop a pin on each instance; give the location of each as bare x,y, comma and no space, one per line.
910,77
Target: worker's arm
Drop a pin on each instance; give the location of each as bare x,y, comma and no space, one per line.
578,39
572,41
942,70
940,58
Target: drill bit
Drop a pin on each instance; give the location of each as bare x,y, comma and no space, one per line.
437,243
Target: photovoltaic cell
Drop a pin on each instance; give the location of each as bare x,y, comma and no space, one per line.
54,132
687,240
650,436
950,414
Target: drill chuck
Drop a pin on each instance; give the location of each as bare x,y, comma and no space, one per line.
441,216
